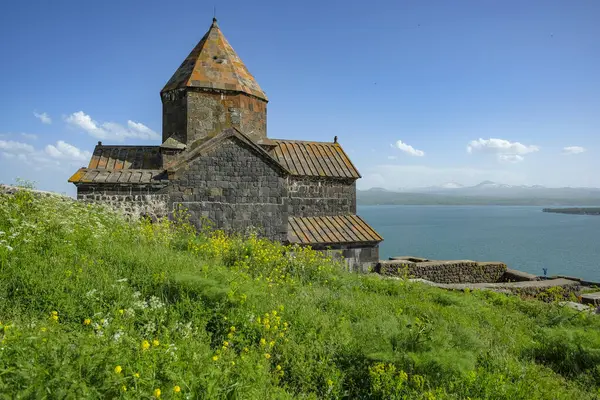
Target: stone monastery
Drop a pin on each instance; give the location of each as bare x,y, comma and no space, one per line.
217,162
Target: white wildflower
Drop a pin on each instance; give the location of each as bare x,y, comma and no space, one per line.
129,312
155,302
117,335
149,328
122,280
9,248
2,233
141,304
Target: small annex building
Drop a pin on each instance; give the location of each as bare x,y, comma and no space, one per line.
217,162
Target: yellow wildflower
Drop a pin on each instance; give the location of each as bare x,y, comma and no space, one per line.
53,313
226,343
278,367
329,382
215,358
271,343
121,311
123,388
232,329
54,318
157,393
136,375
87,321
230,335
263,342
245,349
43,329
176,389
232,363
155,343
267,356
118,369
145,345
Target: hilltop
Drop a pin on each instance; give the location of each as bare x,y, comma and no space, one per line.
97,305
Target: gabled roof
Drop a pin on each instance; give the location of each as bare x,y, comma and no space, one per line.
128,176
314,159
330,230
215,141
125,157
213,64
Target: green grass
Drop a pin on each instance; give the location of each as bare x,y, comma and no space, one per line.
95,306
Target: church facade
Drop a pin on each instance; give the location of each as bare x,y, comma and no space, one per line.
218,163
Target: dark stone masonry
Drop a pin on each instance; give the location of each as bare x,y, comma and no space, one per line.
217,162
457,271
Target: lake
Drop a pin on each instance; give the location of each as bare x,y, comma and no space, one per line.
525,238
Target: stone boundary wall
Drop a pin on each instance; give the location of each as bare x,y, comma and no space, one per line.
458,271
523,288
6,189
143,201
123,200
512,275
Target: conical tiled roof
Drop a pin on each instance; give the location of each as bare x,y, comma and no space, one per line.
213,64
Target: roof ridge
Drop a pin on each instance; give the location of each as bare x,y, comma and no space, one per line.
301,141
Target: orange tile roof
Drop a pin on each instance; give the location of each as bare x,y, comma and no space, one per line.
125,157
127,176
330,229
213,64
316,159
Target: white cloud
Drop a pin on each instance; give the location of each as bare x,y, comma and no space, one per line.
44,117
408,149
511,158
10,146
503,149
29,136
111,130
573,150
62,154
66,151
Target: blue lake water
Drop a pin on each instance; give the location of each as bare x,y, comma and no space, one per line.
525,238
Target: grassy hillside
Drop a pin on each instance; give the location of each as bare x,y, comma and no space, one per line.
94,306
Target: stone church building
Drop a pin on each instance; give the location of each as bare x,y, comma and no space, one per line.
217,162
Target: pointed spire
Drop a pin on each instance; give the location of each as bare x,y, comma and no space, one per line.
213,64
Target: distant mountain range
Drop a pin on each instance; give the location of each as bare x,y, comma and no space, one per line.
485,193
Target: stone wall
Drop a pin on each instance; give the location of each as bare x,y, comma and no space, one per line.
130,200
358,257
311,197
234,188
174,118
459,271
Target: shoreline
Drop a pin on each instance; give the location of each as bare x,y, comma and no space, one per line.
574,210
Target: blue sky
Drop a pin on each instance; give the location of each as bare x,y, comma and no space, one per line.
419,92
